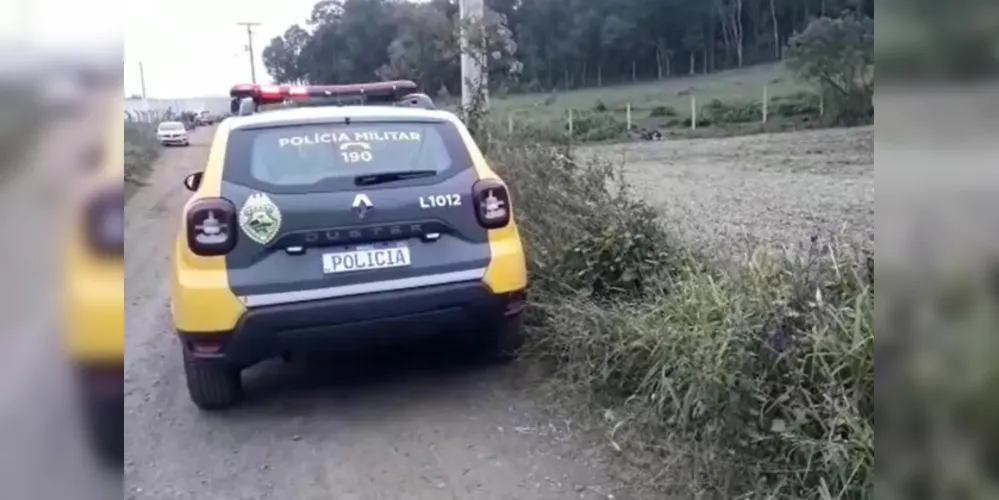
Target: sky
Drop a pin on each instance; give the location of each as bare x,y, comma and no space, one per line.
194,48
188,48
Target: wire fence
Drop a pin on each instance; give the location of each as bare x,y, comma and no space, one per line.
692,112
151,116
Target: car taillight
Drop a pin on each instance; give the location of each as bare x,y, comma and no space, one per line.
492,203
105,222
211,227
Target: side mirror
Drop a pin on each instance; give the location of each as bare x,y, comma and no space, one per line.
193,181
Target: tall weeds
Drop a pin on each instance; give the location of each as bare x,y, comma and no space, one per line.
754,381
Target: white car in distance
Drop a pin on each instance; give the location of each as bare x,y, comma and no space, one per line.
172,134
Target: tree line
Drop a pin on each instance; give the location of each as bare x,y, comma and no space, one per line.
535,45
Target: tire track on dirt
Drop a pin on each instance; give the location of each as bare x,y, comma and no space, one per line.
368,427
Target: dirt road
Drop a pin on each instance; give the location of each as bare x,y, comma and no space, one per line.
411,425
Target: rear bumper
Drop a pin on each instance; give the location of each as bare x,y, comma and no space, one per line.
101,387
269,331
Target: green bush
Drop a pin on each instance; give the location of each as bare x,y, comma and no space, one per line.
767,367
596,126
837,55
660,111
600,107
584,228
702,121
799,104
141,150
720,112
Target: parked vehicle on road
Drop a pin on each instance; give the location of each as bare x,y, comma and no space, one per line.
172,134
203,118
360,213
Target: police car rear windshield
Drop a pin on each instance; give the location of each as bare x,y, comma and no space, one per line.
331,157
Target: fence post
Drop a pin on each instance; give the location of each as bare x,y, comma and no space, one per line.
628,115
693,112
570,123
822,104
766,102
509,125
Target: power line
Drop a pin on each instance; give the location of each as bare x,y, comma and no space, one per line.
249,45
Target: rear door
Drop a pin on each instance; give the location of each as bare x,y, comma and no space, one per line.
340,208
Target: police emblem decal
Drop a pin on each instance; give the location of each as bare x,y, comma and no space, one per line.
260,218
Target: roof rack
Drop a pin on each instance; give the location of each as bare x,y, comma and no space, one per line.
246,99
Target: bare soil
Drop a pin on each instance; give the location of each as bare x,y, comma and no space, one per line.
732,195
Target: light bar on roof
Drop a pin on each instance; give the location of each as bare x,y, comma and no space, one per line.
270,94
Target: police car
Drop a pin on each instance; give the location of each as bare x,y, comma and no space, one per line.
351,213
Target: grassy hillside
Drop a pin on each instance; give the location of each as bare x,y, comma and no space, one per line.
728,103
735,85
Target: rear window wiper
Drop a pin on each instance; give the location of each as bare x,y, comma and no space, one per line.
383,177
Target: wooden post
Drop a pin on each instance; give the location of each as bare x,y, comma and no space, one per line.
570,123
628,115
693,112
766,103
509,124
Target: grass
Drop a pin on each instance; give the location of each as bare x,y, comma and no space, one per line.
733,85
752,380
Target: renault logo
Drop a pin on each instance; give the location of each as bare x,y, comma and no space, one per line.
361,205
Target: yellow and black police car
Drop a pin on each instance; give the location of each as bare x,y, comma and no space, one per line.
350,214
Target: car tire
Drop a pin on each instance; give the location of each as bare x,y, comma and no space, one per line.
503,342
213,384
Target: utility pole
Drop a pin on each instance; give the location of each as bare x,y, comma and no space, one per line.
249,47
473,78
142,84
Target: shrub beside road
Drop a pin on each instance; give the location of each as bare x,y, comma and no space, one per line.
141,150
724,379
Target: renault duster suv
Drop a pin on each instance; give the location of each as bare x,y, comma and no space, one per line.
351,214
